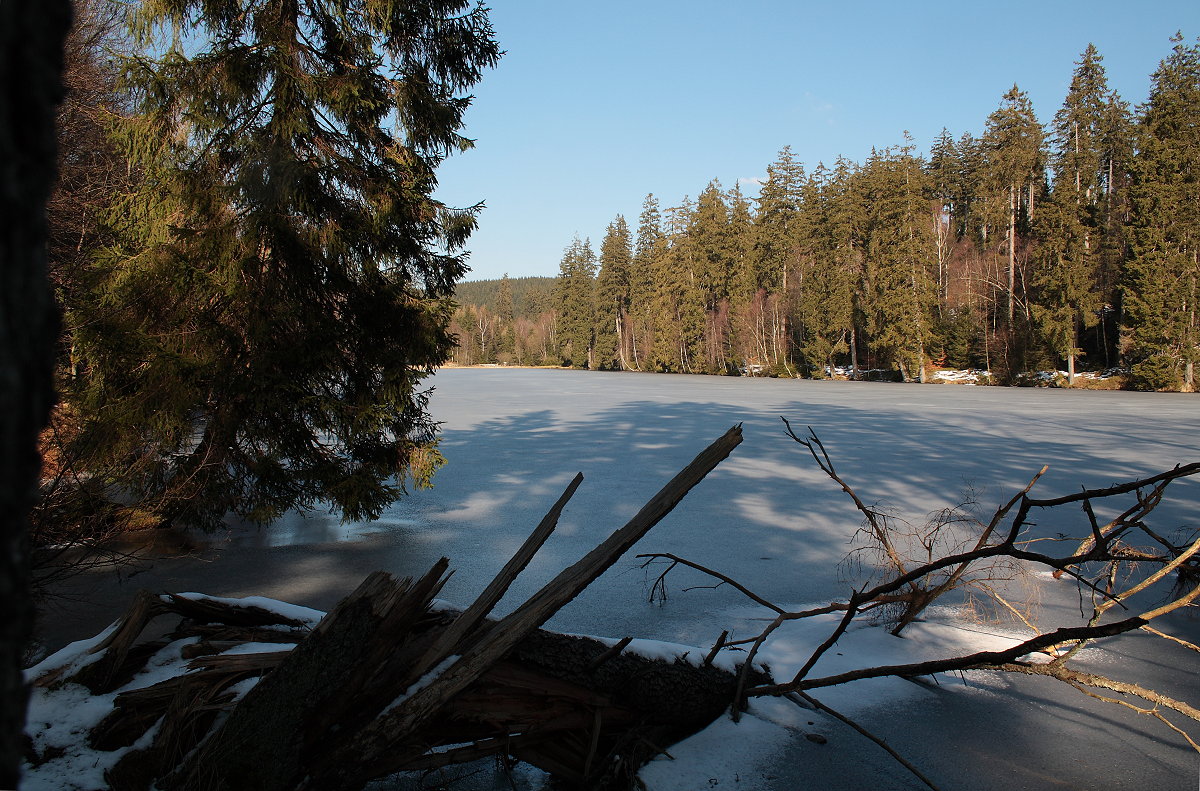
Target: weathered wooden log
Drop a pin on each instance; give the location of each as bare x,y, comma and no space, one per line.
119,658
394,737
384,682
342,675
571,705
105,673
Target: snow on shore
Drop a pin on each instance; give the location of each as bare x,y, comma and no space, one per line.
61,715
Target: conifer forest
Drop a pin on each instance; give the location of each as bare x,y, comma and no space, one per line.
1069,244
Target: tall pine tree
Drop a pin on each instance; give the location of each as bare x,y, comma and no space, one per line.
282,280
649,248
775,223
1161,282
945,178
831,267
679,299
577,305
1070,228
711,239
614,291
507,347
1012,144
900,260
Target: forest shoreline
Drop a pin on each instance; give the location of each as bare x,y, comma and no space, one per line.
1112,379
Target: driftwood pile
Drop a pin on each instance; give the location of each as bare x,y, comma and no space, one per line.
387,682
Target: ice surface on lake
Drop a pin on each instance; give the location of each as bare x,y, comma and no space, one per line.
767,517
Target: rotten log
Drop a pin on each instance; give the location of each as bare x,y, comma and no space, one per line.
571,705
119,658
393,738
106,673
383,679
342,675
328,683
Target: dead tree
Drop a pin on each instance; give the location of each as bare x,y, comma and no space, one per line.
1097,560
385,682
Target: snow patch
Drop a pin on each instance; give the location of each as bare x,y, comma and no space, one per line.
966,376
71,657
305,615
725,753
423,682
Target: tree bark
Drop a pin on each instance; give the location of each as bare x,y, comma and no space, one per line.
586,711
1012,241
384,678
31,61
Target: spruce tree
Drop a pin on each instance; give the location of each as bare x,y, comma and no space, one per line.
711,233
679,318
469,346
91,170
1013,155
576,304
1117,146
283,276
944,169
1066,286
1161,283
742,280
613,297
945,177
900,259
969,215
649,247
711,238
507,350
779,203
1071,226
762,289
744,305
831,267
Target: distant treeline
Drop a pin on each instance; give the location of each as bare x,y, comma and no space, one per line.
1029,247
531,296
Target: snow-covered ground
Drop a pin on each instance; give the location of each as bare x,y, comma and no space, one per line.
977,376
514,438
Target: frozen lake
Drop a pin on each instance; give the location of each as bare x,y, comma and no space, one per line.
768,517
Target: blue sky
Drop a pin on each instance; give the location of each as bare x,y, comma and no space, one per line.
597,104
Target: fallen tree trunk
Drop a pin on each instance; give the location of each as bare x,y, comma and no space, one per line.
388,682
570,705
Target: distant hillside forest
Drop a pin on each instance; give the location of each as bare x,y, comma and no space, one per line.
530,296
1029,247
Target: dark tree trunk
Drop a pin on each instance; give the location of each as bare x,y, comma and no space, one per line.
31,38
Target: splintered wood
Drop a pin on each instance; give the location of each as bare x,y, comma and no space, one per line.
386,682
